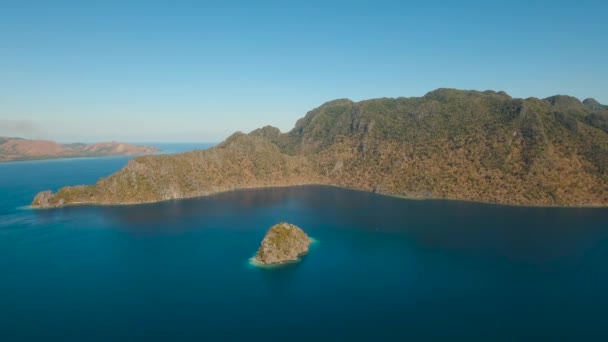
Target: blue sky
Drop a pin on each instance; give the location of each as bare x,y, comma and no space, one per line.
197,71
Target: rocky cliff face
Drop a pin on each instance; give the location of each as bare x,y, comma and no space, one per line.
470,145
282,243
46,199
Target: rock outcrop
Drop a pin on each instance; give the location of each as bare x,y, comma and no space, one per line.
46,199
282,243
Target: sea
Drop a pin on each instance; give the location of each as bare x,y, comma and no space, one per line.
382,268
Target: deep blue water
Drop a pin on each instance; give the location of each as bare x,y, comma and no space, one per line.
384,268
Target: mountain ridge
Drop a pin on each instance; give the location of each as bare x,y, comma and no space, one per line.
15,149
457,144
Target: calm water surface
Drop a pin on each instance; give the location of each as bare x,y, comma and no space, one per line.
384,268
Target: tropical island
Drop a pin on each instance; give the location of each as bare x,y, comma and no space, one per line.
452,144
284,242
13,149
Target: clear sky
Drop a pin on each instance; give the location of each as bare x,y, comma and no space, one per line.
198,70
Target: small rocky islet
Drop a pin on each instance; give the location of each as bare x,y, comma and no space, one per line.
282,243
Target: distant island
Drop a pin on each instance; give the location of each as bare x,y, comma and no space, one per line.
12,149
453,144
282,243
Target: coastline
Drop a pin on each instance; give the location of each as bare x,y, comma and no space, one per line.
254,263
70,158
405,197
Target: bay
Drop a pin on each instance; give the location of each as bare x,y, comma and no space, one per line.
384,268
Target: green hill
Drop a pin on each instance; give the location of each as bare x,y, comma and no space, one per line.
470,145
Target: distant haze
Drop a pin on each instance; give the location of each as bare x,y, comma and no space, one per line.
195,71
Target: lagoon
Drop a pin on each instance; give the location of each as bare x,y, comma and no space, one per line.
383,268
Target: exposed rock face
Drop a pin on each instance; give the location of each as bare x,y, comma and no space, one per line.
46,199
283,242
456,144
24,149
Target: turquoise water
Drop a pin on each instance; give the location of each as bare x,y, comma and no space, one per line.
383,268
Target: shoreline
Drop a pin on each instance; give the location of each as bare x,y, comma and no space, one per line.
405,197
254,263
70,158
